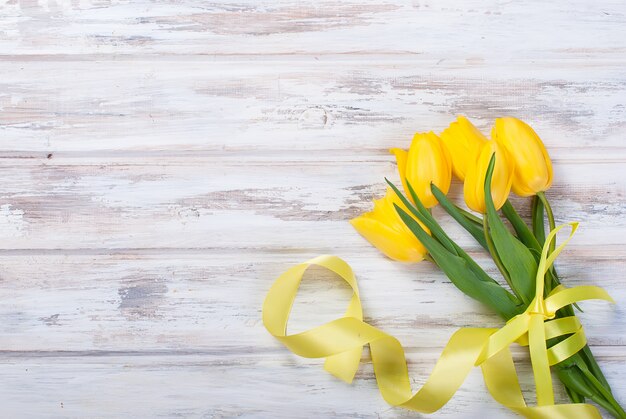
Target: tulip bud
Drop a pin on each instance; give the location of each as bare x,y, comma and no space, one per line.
428,161
533,168
384,228
463,140
474,186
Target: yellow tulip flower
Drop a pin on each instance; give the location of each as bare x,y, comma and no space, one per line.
474,186
384,228
533,168
427,161
463,140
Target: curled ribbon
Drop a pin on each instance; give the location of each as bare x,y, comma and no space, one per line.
341,342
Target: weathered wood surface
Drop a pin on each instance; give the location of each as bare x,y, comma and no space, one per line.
163,162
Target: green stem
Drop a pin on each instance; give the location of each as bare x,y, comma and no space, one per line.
584,359
603,391
540,201
573,378
591,363
546,205
539,228
573,396
550,214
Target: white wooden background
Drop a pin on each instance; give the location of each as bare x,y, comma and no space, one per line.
163,161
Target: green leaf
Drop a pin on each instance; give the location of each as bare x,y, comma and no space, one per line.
440,238
475,267
514,255
450,208
462,276
422,214
470,217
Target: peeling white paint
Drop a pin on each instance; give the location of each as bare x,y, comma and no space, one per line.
12,223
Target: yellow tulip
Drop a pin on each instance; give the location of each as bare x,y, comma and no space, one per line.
533,168
463,140
474,186
384,228
427,161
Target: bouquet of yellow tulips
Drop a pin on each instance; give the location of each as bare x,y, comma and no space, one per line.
403,228
538,309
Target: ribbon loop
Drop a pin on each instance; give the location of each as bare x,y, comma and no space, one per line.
341,342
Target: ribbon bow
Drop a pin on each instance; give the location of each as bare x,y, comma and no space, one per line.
341,342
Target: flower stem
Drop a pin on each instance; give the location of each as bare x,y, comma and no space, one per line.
575,380
550,214
600,391
591,363
539,229
608,396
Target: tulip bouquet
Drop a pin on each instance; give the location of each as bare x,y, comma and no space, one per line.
403,228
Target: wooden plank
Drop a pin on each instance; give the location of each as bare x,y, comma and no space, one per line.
163,163
206,385
177,333
475,31
108,327
211,301
215,205
237,110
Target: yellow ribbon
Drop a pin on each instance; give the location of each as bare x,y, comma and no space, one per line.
341,342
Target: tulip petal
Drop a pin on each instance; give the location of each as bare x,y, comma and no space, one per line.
395,245
473,188
428,162
462,140
533,171
401,158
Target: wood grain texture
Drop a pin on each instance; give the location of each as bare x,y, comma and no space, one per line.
163,162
